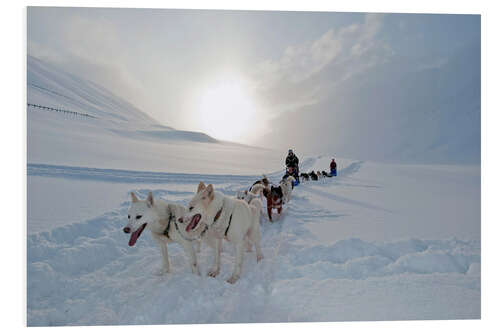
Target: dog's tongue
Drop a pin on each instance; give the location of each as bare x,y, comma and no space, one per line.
135,235
194,222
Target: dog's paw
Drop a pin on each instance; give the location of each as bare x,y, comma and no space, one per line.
161,271
213,272
233,279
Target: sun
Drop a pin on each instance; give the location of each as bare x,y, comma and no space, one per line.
227,110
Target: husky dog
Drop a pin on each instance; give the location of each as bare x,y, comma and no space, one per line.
248,196
264,181
325,174
223,217
286,187
304,176
274,198
319,174
160,218
313,175
252,197
255,204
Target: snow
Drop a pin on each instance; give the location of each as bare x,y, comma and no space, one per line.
378,242
319,264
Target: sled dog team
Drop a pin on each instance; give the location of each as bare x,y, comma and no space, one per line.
210,217
315,175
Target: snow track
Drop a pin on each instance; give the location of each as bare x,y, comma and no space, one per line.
85,274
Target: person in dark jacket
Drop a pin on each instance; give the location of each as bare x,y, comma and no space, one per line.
333,167
292,161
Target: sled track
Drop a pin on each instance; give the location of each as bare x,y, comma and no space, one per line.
127,176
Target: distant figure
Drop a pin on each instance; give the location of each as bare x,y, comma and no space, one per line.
333,167
292,161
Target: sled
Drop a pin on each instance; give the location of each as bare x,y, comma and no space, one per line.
292,172
333,173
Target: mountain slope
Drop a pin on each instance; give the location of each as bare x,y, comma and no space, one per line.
119,136
396,112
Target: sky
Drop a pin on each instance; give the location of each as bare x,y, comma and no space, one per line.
245,75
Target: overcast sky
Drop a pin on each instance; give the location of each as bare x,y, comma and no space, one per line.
165,61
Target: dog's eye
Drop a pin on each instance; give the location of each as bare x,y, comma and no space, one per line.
138,217
129,216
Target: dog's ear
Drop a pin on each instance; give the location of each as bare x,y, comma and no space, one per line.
134,198
150,200
210,191
201,187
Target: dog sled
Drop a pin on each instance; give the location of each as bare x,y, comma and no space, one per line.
294,172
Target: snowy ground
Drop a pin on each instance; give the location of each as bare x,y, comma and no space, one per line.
379,242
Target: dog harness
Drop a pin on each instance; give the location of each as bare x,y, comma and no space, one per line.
167,230
228,225
219,213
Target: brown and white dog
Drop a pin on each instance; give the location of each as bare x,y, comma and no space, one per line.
254,193
276,196
264,181
223,217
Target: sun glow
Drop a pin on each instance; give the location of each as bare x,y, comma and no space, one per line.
227,110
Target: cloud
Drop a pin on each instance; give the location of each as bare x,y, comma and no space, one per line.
303,71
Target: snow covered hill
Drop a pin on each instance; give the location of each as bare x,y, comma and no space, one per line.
379,242
396,113
120,136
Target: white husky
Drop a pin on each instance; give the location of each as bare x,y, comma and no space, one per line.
161,218
252,197
286,188
248,196
223,217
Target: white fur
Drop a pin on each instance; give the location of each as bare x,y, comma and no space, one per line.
248,196
242,224
156,213
286,188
